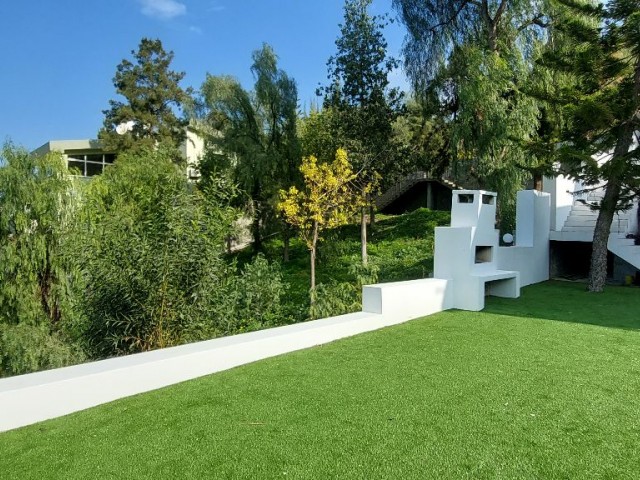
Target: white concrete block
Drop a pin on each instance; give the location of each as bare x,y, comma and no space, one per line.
530,255
410,299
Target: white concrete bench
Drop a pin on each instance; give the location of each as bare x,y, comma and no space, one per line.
501,283
470,291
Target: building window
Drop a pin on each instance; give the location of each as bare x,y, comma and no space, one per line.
89,164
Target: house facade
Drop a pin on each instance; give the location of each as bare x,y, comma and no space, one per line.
87,158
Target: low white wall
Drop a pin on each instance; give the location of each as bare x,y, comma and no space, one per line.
560,189
28,399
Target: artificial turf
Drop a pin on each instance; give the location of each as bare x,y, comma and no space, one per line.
545,386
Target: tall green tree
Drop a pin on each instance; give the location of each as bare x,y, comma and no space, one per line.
36,205
148,116
474,58
360,97
421,139
601,106
253,135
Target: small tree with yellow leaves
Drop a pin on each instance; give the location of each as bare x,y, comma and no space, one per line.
329,199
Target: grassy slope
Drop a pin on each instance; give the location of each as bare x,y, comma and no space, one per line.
541,387
401,246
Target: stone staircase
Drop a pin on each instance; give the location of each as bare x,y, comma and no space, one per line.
582,221
582,217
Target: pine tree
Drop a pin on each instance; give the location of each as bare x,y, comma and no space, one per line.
601,105
153,97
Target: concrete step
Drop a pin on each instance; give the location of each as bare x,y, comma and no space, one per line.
633,250
617,225
580,222
595,196
583,214
577,228
581,207
623,241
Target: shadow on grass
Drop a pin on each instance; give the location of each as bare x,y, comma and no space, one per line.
616,307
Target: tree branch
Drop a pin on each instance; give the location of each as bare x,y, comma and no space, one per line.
455,15
537,20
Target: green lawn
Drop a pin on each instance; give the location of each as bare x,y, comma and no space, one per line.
546,386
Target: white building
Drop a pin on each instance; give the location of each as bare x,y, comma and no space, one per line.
88,158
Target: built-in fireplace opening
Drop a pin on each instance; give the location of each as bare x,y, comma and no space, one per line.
488,199
483,254
465,198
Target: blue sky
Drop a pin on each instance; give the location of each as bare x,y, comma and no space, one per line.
59,56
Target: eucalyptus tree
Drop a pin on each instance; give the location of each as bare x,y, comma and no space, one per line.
153,96
360,97
600,56
475,57
253,135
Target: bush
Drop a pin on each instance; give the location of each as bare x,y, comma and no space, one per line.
330,299
28,348
259,289
152,258
36,205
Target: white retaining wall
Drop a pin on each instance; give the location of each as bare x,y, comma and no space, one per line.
31,398
561,190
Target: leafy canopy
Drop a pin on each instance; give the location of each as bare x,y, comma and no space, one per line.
359,94
37,199
153,97
155,269
252,136
327,201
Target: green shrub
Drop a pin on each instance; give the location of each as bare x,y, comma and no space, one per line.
37,203
151,258
28,348
330,299
260,288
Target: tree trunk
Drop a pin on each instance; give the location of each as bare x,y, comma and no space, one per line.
618,168
255,232
313,257
46,280
598,270
492,24
286,241
363,234
537,182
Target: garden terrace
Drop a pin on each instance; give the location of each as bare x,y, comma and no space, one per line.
544,386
